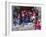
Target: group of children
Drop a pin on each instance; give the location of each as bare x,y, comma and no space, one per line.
28,16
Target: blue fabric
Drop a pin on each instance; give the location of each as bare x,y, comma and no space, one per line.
26,19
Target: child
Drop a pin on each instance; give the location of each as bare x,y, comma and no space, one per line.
37,24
